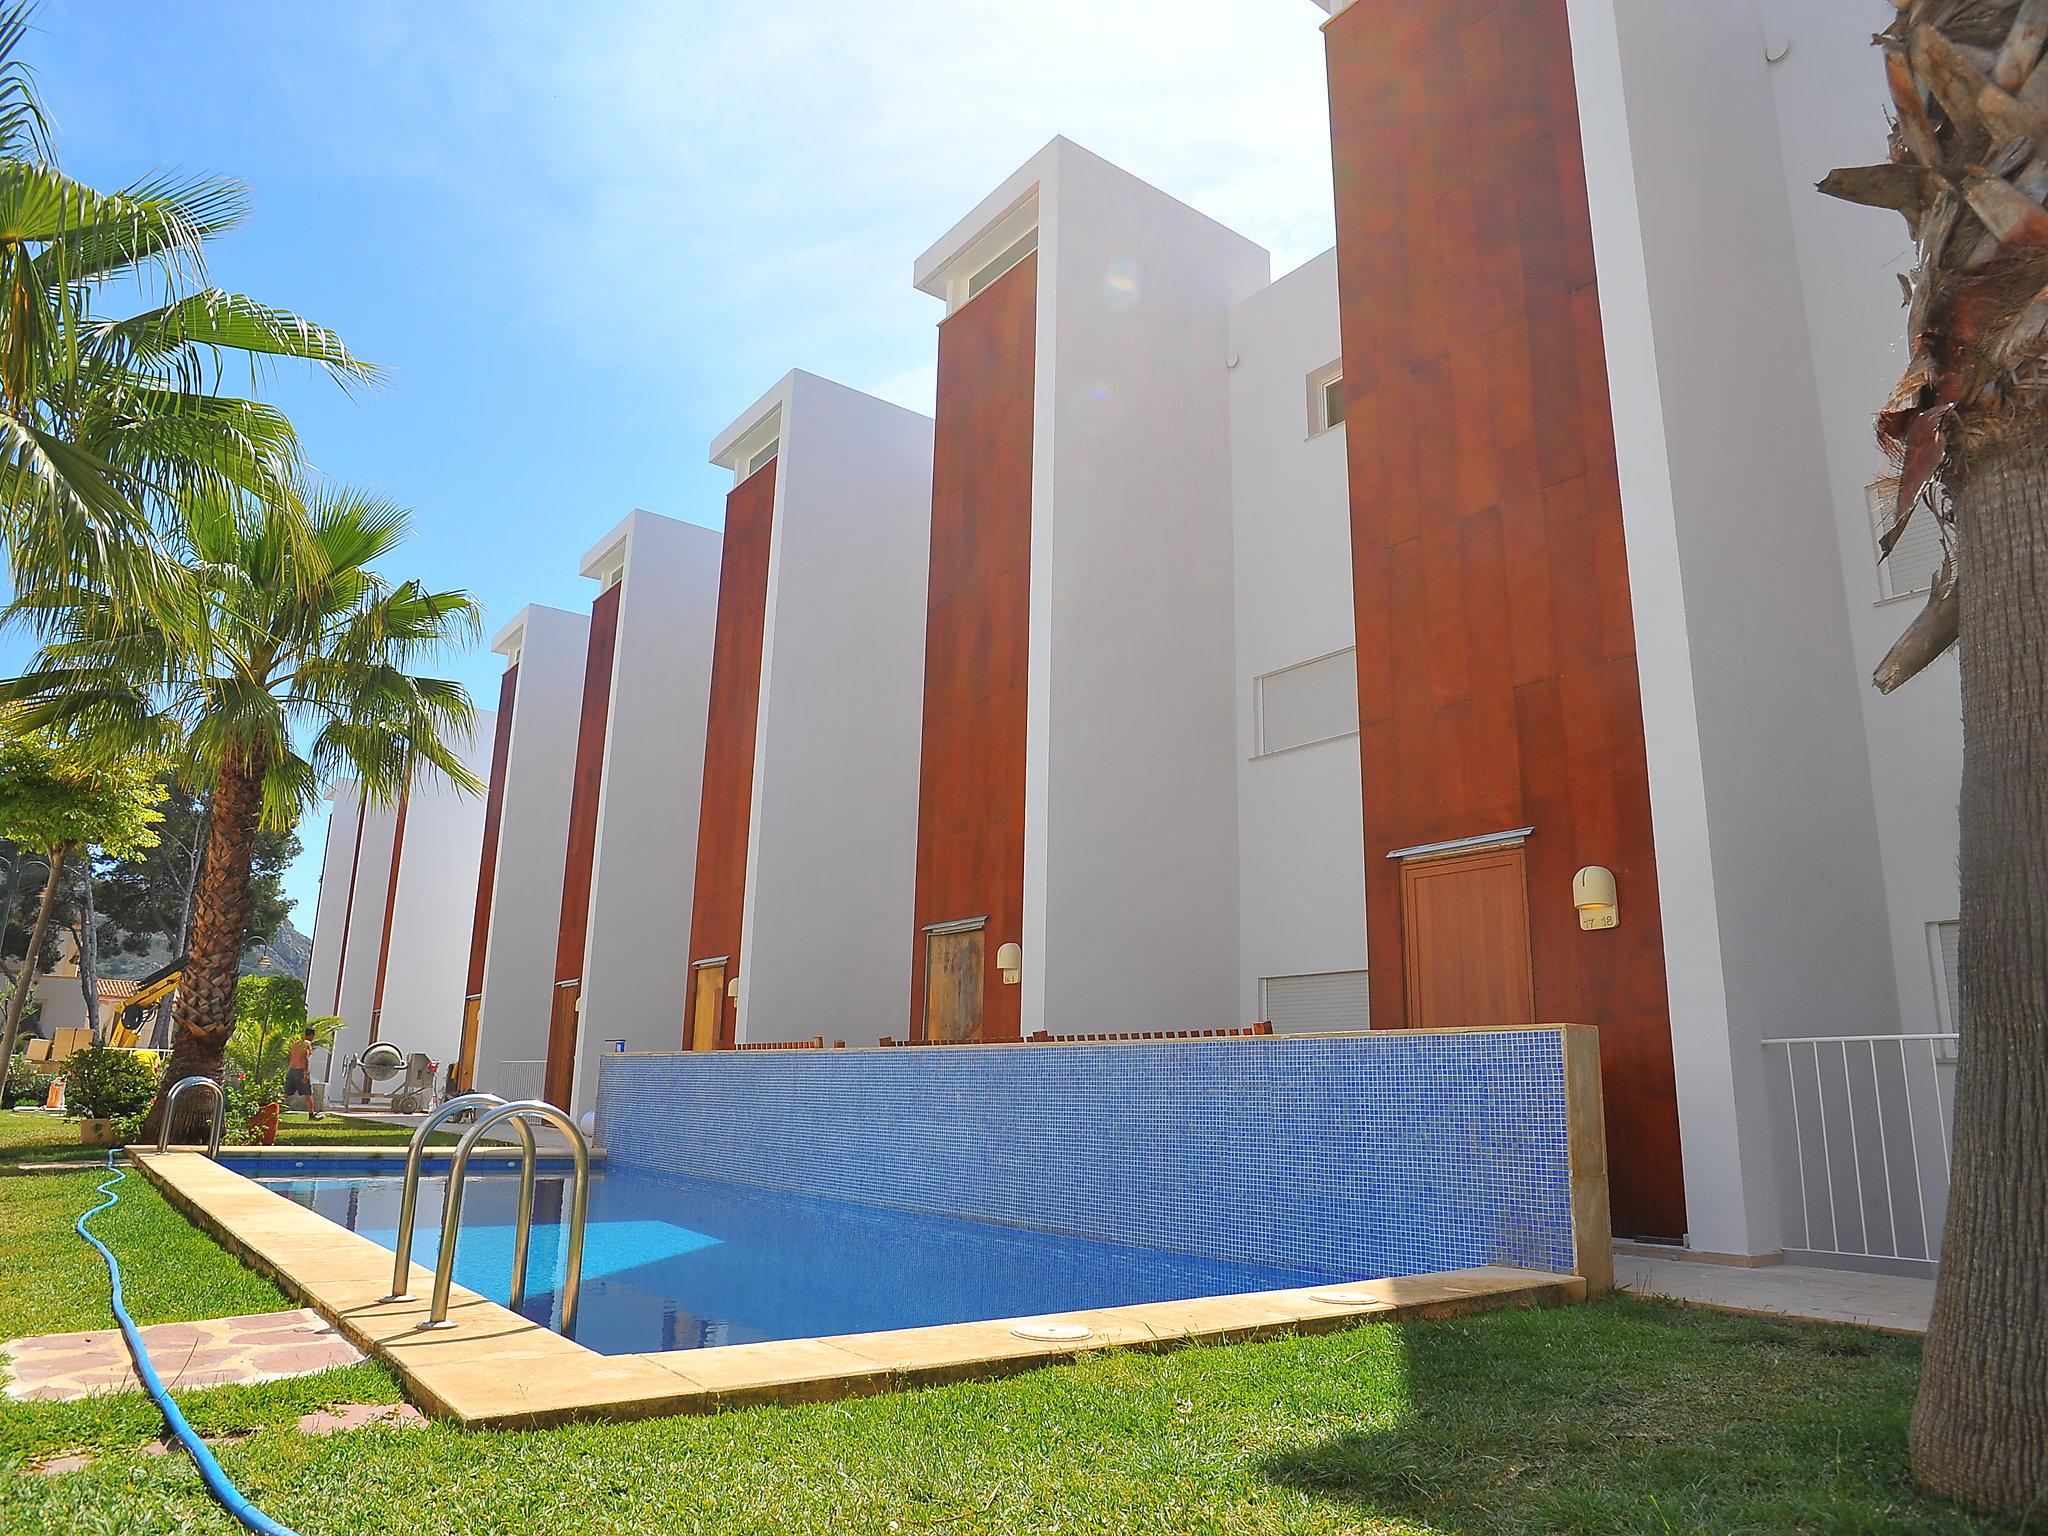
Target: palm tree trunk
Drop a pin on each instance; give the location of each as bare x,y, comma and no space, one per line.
1980,1426
18,998
167,1010
220,921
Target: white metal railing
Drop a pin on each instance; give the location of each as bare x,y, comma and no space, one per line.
517,1079
1866,1139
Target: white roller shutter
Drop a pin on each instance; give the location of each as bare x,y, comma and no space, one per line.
1329,1001
1315,701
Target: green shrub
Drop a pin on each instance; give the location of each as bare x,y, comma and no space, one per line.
102,1084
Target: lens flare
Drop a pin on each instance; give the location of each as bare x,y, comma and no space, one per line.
1121,284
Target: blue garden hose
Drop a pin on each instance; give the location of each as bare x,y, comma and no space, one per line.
218,1483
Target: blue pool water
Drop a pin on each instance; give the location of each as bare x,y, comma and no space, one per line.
672,1263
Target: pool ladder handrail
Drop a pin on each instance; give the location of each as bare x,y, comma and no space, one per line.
451,1208
220,1113
409,1195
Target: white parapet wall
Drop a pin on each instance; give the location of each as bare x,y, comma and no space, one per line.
1760,767
547,646
1130,856
1301,838
634,963
1828,90
427,966
330,911
362,891
831,858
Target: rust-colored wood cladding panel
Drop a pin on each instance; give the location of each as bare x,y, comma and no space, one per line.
486,877
1496,647
494,816
1466,921
717,908
390,911
970,815
586,784
559,1076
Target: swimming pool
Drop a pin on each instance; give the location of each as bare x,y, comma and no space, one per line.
675,1263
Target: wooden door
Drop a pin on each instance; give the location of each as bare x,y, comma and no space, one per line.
1465,933
563,1034
707,1005
952,983
465,1056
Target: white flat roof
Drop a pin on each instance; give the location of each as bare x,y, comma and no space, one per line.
513,628
934,266
726,448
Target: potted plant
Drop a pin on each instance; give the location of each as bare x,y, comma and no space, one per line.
255,1107
102,1084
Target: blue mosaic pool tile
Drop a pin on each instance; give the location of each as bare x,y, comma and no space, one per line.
1385,1154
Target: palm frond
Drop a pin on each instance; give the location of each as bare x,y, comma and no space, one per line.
188,339
24,129
284,646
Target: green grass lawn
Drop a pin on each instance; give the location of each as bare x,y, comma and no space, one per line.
1627,1416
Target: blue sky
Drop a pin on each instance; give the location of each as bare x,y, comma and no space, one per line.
582,238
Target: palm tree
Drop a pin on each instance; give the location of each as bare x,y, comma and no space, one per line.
298,670
105,420
1967,426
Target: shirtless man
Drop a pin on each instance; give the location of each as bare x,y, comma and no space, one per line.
298,1069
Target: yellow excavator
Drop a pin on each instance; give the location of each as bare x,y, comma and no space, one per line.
149,996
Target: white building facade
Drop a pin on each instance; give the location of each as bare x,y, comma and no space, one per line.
1233,649
525,842
390,933
828,627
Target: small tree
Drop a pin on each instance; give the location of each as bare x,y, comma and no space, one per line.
54,801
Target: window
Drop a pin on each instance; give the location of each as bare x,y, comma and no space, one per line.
1326,398
1325,1003
1915,560
1011,255
1943,955
1315,701
614,576
764,456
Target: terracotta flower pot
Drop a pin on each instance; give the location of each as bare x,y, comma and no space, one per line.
263,1124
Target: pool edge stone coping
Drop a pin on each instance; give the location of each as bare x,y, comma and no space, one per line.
489,1154
497,1370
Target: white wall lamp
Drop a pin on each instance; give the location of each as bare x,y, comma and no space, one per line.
1010,961
732,988
1593,895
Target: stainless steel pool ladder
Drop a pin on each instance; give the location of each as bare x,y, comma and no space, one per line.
518,1112
409,1196
220,1113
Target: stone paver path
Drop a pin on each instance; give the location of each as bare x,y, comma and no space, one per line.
328,1421
217,1352
1890,1303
